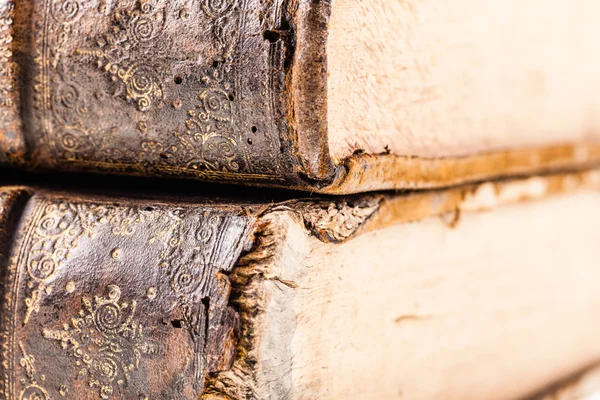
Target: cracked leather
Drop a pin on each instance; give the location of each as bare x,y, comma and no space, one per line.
113,298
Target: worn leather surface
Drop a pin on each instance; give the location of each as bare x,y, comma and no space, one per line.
156,87
116,299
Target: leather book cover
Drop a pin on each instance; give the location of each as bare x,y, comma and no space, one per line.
113,299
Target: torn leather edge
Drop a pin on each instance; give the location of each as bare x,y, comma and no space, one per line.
249,295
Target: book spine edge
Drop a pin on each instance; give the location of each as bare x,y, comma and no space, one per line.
308,95
12,207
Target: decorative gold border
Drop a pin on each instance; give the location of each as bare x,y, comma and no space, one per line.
15,270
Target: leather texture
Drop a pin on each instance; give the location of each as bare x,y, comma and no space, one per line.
154,87
115,299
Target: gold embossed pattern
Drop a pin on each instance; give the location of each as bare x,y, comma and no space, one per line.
156,87
113,300
105,341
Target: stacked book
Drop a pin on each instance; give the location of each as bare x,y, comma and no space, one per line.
414,211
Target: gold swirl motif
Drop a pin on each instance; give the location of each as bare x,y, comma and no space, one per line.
184,281
34,392
143,24
67,105
152,146
146,7
75,141
204,234
107,318
141,84
41,270
105,340
58,231
131,34
105,368
220,147
216,104
143,29
69,141
68,95
218,152
216,8
141,79
106,392
124,223
188,264
57,219
66,11
144,104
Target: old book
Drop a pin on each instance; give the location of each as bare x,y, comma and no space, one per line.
333,96
485,291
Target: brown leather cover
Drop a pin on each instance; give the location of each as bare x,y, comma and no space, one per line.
115,299
154,87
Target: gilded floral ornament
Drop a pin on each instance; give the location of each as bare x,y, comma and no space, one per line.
61,227
140,81
216,105
105,341
67,104
107,318
207,141
66,11
149,86
33,391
